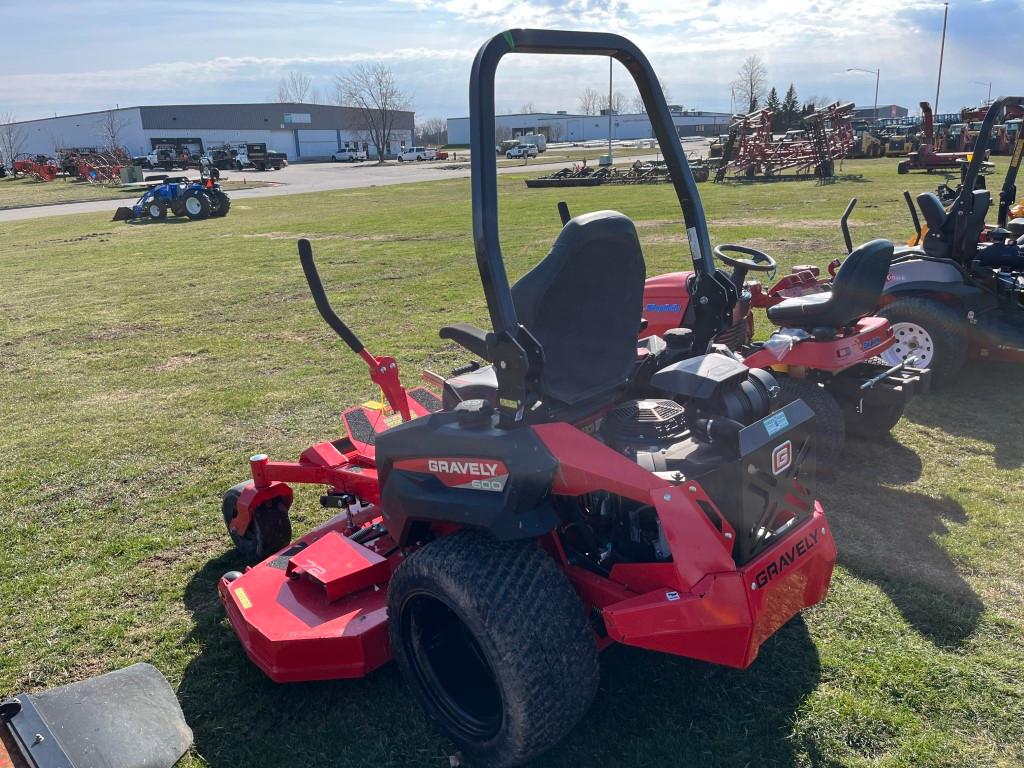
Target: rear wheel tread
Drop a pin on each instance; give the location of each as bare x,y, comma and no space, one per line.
526,617
829,425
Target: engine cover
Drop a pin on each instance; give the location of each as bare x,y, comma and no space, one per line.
640,423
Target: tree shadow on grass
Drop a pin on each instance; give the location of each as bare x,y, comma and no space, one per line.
651,709
887,535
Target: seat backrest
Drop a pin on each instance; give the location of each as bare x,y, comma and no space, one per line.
938,241
584,302
975,223
932,209
858,284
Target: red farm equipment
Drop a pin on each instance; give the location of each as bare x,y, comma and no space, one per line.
37,166
926,158
752,150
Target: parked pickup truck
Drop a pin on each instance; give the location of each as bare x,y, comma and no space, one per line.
347,155
522,150
417,153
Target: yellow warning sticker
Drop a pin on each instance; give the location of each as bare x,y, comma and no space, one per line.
243,599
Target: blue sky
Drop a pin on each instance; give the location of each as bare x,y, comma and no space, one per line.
93,54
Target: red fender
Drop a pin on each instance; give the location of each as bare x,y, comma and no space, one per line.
252,497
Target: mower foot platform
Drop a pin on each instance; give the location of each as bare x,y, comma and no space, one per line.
316,610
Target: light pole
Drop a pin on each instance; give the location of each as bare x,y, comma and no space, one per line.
878,76
989,84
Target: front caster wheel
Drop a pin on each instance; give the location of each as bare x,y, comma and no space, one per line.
269,530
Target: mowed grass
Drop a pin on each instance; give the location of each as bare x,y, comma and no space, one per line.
141,365
25,191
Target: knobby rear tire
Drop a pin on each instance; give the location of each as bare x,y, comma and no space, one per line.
502,625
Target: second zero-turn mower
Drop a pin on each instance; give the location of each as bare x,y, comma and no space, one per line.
826,351
960,293
577,489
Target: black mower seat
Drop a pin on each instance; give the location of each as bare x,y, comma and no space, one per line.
856,289
1016,227
584,303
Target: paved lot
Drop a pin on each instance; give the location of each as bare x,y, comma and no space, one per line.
306,177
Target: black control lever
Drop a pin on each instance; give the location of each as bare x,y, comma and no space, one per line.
467,368
913,216
563,212
845,226
320,297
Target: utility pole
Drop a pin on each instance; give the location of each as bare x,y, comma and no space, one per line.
610,62
989,84
942,54
878,76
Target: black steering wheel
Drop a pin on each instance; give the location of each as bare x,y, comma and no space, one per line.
759,261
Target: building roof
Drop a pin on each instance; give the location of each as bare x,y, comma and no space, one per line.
267,115
260,116
576,116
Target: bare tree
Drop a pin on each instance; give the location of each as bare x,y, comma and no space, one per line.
750,82
636,104
12,137
590,102
528,108
618,103
433,130
372,90
111,125
297,88
555,131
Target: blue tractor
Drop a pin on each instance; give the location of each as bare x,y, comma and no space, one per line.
179,196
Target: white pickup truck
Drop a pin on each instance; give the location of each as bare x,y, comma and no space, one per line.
347,155
417,153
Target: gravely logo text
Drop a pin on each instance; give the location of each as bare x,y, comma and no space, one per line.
471,468
787,558
470,473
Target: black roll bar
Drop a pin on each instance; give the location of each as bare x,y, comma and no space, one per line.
484,182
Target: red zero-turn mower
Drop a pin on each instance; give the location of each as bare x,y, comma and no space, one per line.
827,349
960,293
578,490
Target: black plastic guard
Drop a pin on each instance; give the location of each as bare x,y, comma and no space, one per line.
522,509
770,490
124,719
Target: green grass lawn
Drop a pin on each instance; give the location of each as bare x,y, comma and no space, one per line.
141,365
25,191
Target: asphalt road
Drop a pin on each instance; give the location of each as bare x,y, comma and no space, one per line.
305,177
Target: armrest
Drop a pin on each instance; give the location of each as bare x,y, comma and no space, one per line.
468,336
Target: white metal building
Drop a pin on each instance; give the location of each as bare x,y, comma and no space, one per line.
561,126
302,131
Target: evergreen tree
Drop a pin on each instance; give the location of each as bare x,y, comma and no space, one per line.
773,103
790,107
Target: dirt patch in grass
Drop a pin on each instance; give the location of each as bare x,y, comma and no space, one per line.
378,238
121,331
179,361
